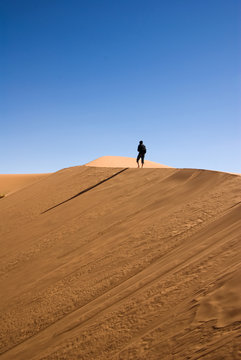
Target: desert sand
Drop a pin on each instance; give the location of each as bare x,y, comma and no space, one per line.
122,263
13,182
122,162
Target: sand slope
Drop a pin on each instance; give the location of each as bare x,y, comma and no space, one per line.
120,161
13,182
138,264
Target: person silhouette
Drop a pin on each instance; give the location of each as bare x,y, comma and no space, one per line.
141,153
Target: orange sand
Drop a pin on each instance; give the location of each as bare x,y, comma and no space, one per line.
138,264
123,162
12,182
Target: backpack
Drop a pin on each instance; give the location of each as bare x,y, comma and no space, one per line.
142,149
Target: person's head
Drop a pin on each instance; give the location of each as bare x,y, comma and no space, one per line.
141,142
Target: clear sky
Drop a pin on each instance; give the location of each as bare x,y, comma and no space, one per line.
80,79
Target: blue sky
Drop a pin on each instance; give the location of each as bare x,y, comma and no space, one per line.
80,79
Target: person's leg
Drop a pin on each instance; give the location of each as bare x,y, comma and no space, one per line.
142,160
137,159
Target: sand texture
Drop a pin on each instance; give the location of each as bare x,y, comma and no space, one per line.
13,182
117,263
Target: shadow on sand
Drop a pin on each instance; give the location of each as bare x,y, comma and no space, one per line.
85,190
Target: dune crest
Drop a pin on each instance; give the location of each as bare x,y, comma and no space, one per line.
121,161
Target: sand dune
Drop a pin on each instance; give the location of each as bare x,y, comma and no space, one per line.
121,161
12,182
108,263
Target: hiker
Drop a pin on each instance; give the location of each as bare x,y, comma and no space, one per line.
141,150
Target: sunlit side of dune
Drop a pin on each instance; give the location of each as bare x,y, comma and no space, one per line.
100,263
12,182
121,161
